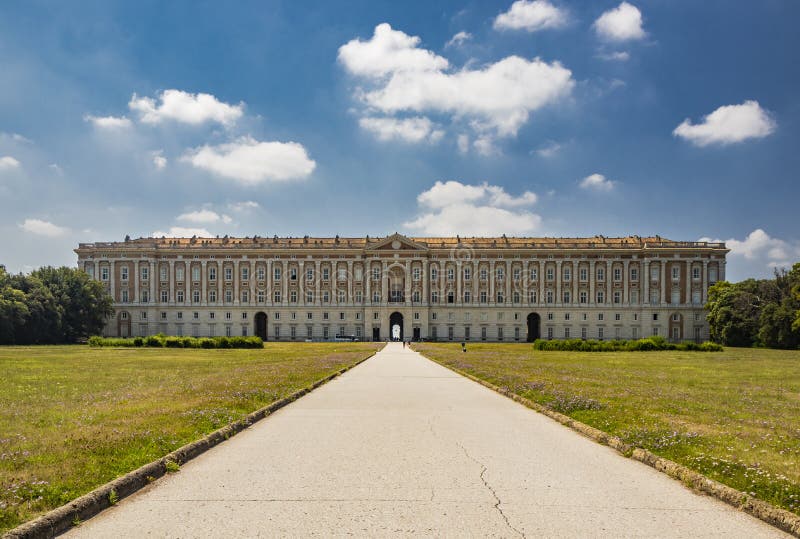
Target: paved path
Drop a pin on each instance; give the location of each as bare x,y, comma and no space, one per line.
402,446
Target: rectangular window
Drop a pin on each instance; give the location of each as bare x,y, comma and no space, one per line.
195,273
143,315
466,333
617,274
104,273
163,273
583,333
601,297
376,273
600,317
549,274
634,274
600,333
517,272
179,296
534,274
548,296
467,274
228,296
179,274
583,296
164,296
676,273
654,273
634,333
416,274
566,333
145,273
145,296
212,296
228,273
451,274
696,297
566,296
309,274
617,296
245,296
195,296
293,296
484,274
583,274
601,274
696,273
276,273
292,274
276,296
712,275
675,298
617,317
212,273
124,296
342,274
567,274
123,273
260,273
549,333
326,273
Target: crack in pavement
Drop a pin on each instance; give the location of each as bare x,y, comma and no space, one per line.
489,487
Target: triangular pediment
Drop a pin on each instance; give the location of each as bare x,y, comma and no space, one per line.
396,242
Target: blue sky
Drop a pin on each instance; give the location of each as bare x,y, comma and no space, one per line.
533,118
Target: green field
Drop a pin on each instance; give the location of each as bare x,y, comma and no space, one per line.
74,417
733,415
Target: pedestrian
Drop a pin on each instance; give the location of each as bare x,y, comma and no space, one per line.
404,343
463,346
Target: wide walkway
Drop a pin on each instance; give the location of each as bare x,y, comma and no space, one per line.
401,446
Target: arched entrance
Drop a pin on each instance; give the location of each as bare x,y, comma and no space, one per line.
396,326
261,325
534,332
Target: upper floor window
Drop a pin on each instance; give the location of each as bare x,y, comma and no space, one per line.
228,273
634,274
212,273
696,273
601,274
617,274
123,273
583,274
104,273
567,274
179,274
676,273
196,273
163,273
276,273
549,274
451,274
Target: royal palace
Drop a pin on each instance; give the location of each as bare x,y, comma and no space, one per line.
461,289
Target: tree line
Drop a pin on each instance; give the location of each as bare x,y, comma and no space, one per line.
757,312
51,306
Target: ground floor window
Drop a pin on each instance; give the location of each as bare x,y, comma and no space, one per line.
549,333
499,334
450,332
483,333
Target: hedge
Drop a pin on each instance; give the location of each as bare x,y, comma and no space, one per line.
163,341
641,345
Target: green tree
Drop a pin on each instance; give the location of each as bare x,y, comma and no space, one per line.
13,309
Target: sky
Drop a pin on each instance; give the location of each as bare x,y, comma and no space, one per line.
527,118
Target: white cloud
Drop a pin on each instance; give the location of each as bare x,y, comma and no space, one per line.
463,143
245,205
597,182
617,56
251,162
43,228
451,208
404,78
484,145
182,232
108,122
623,23
728,124
388,52
185,107
418,129
203,216
159,161
458,39
549,150
7,162
531,16
760,247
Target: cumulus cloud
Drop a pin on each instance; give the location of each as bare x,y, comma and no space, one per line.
108,122
7,163
204,216
766,251
182,232
463,143
450,208
185,107
401,77
531,16
418,129
458,39
549,150
728,124
623,23
597,182
245,205
43,228
252,162
159,161
617,56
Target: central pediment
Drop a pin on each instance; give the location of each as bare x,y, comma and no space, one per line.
396,242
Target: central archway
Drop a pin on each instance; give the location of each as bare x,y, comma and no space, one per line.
396,326
261,325
534,331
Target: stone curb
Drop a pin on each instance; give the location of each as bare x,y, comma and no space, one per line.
60,519
775,516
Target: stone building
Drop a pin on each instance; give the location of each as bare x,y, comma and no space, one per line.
472,289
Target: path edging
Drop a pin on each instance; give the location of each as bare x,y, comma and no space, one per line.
775,516
61,519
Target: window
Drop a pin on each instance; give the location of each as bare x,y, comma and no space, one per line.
342,274
696,273
293,296
712,275
212,273
145,296
244,316
548,296
617,296
534,274
583,333
654,273
654,296
583,296
196,315
451,296
276,316
260,273
261,296
566,333
195,296
416,273
229,316
532,296
655,317
163,273
634,333
179,274
90,270
309,296
309,274
434,296
228,273
617,317
359,277
566,316
467,273
549,333
583,274
500,273
500,298
484,274
376,273
212,296
376,297
179,315
145,273
124,295
245,296
142,315
163,315
277,331
549,316
326,273
696,297
567,296
450,274
341,316
276,296
584,316
634,274
196,273
325,316
292,274
212,316
517,273
634,296
228,296
600,317
466,333
341,296
676,296
104,273
676,273
515,297
549,274
123,273
415,296
600,333
483,333
635,317
617,274
567,274
601,274
179,296
164,296
601,297
276,273
655,332
326,297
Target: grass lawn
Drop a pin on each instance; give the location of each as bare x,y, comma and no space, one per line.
74,417
733,415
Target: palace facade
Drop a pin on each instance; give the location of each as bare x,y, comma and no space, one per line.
470,289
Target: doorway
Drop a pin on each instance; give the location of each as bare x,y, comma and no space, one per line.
396,326
261,325
416,334
376,334
534,321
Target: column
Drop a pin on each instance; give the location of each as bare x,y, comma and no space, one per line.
153,277
475,281
508,282
112,280
317,286
425,282
171,283
187,282
236,282
575,281
385,283
558,282
252,277
492,276
540,295
269,282
220,282
721,265
704,281
96,276
625,281
203,283
644,280
459,275
609,298
285,282
136,297
367,284
350,282
663,280
592,279
688,299
526,279
301,283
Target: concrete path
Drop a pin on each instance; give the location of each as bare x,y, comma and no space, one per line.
401,446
